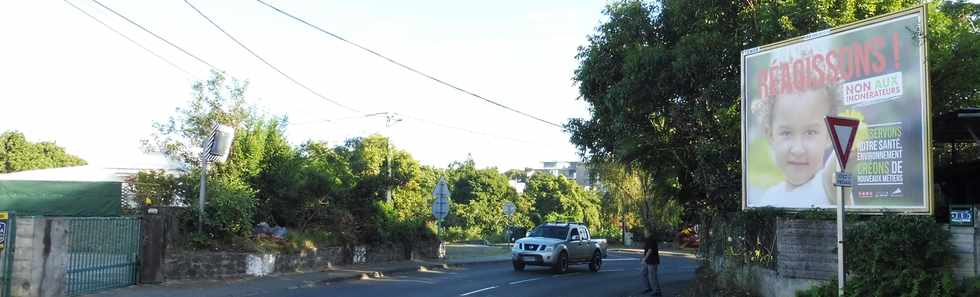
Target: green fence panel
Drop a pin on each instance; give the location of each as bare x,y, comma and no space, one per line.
103,253
61,198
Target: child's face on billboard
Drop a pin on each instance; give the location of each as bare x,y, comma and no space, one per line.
799,136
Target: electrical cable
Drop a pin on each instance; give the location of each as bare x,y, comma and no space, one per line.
408,67
130,39
434,123
157,36
290,78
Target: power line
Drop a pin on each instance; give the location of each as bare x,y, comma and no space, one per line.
130,39
468,130
422,120
409,68
290,78
157,36
333,120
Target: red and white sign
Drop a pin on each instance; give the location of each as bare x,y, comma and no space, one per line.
842,132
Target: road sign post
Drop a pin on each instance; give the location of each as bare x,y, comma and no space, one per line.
842,132
509,209
440,207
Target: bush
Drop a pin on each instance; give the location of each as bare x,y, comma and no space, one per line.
747,237
896,255
230,208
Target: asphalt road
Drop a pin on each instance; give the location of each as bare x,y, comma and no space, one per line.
620,276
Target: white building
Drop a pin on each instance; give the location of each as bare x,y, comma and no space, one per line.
577,171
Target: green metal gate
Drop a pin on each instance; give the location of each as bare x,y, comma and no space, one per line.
7,228
103,253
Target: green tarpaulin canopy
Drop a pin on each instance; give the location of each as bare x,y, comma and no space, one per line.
61,198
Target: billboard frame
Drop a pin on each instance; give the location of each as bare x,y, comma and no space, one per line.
927,189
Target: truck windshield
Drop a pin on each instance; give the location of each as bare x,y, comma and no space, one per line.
550,232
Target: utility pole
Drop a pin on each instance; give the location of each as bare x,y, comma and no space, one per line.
390,119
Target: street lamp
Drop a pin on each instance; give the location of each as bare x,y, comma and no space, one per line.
214,149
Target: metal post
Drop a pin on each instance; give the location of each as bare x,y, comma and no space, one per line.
622,222
389,117
840,244
388,181
200,197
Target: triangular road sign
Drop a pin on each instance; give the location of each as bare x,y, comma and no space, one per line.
842,132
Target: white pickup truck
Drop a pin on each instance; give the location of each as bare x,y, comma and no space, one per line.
559,245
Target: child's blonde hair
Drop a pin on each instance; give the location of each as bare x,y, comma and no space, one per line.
762,107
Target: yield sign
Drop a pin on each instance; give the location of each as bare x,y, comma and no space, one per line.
842,132
440,207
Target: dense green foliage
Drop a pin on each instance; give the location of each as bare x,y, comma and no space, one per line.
747,237
662,80
336,189
899,256
18,154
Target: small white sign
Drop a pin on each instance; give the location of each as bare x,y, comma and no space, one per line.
844,179
872,89
509,208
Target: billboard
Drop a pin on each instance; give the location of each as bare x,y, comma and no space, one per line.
874,71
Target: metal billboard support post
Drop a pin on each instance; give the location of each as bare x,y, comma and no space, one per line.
842,132
840,244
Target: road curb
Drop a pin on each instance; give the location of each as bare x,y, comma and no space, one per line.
666,253
380,273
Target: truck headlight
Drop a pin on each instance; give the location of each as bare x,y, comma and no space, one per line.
548,248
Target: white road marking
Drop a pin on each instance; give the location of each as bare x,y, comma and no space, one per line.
613,270
478,291
524,281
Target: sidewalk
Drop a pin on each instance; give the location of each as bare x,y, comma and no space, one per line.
269,284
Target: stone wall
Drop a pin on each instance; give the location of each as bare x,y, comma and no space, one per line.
210,265
205,265
310,261
806,249
199,265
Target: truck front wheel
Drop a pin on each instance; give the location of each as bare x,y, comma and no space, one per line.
596,262
518,266
561,263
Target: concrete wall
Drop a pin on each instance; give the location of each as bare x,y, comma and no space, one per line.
965,248
40,257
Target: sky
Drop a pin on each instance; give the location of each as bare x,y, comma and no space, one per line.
66,78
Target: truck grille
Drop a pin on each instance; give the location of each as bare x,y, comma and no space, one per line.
530,247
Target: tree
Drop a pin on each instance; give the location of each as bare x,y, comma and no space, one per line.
18,154
153,188
557,198
663,77
216,101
